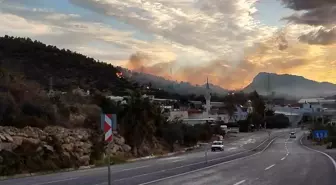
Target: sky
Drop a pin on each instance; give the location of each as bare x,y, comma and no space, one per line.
229,41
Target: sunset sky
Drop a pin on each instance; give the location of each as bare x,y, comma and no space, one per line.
230,41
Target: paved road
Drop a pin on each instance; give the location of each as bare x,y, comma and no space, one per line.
147,170
284,162
249,161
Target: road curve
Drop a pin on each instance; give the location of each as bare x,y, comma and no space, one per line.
286,161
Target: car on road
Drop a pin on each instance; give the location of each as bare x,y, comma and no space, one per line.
217,145
292,135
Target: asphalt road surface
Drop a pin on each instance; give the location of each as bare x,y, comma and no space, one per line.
276,161
285,161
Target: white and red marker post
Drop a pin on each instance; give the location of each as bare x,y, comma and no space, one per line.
108,124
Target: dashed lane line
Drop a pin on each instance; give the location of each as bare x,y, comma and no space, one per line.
208,167
269,167
240,182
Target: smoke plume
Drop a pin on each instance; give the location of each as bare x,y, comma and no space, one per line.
276,54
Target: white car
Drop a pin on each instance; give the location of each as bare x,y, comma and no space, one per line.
292,135
217,145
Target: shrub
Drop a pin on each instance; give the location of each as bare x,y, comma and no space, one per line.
8,109
45,111
32,121
278,121
172,133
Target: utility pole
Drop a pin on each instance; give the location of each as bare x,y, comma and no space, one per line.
206,153
268,90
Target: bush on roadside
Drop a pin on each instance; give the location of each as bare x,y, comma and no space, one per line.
277,121
172,133
113,160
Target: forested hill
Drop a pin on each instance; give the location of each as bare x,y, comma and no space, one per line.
38,62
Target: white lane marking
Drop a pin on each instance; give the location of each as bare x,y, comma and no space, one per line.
103,183
331,159
269,167
50,182
183,166
231,148
169,158
139,167
283,158
178,160
218,164
240,182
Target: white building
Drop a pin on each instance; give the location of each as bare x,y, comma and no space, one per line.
316,107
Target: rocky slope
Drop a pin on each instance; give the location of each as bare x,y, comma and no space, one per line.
31,149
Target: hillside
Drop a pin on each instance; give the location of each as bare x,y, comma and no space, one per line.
42,132
38,62
290,86
183,88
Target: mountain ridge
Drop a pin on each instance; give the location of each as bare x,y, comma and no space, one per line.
183,88
289,85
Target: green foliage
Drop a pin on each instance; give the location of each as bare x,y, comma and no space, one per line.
258,103
172,133
194,133
98,147
277,121
8,108
139,120
113,160
243,125
269,113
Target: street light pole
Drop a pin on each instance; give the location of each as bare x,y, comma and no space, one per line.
206,153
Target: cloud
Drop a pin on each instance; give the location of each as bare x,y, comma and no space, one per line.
266,55
190,40
12,24
320,37
307,4
321,16
218,27
318,14
73,32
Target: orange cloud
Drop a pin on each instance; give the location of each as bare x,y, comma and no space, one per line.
274,54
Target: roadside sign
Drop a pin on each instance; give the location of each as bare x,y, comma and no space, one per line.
108,124
320,134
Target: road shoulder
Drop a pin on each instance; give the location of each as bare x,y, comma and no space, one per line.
330,153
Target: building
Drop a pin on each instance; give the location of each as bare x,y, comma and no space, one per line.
315,106
308,107
196,112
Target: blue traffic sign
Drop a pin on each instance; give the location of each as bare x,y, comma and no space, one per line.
320,134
